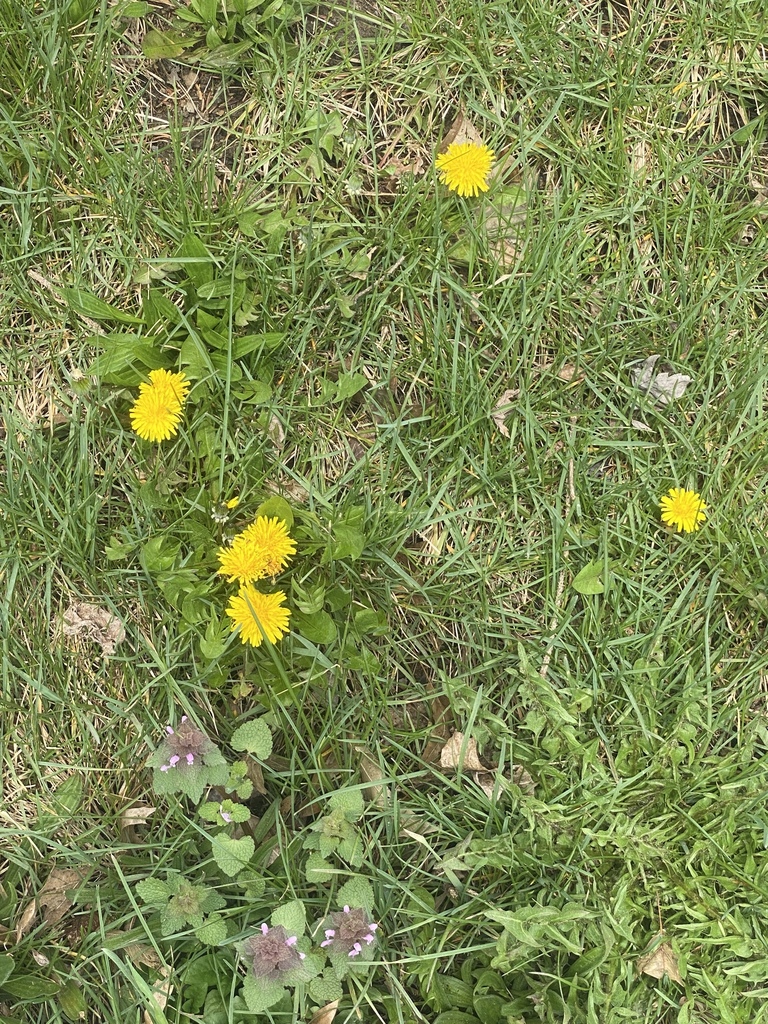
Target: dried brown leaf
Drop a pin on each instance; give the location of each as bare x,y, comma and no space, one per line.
40,958
326,1014
131,818
441,712
462,130
142,955
371,773
25,922
660,961
84,621
502,409
462,754
55,897
161,990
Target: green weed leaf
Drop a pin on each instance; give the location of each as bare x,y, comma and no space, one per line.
357,892
292,916
590,579
255,737
86,304
276,506
213,932
153,892
232,855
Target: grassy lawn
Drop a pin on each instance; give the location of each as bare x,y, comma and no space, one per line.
439,396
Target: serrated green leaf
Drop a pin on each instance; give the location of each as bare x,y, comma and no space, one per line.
357,892
318,869
264,342
292,916
255,737
325,989
86,304
350,802
259,994
276,506
590,579
232,855
213,932
318,627
153,891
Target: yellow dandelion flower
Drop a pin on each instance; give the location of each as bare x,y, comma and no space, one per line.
259,615
233,502
271,537
464,167
156,413
683,509
262,549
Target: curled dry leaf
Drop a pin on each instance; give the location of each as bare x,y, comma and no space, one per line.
502,409
26,920
161,990
131,818
662,387
54,899
462,755
326,1014
462,130
660,961
85,621
372,774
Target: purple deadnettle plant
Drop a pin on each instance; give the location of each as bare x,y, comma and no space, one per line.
349,938
187,762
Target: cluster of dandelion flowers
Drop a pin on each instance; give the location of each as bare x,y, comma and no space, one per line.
683,509
464,167
262,549
259,615
156,413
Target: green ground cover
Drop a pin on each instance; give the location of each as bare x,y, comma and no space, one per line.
437,394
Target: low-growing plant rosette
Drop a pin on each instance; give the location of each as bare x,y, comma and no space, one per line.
188,762
279,957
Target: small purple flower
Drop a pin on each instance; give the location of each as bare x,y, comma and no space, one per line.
225,815
348,930
272,953
186,744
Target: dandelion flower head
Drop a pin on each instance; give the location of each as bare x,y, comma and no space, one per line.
156,413
262,549
464,167
683,509
258,615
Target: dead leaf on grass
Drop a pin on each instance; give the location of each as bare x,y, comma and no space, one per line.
662,387
659,962
161,990
502,409
85,621
462,755
40,958
142,955
372,774
55,897
462,130
131,818
326,1014
276,432
441,712
26,920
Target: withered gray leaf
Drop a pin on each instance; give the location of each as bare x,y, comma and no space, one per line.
662,387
